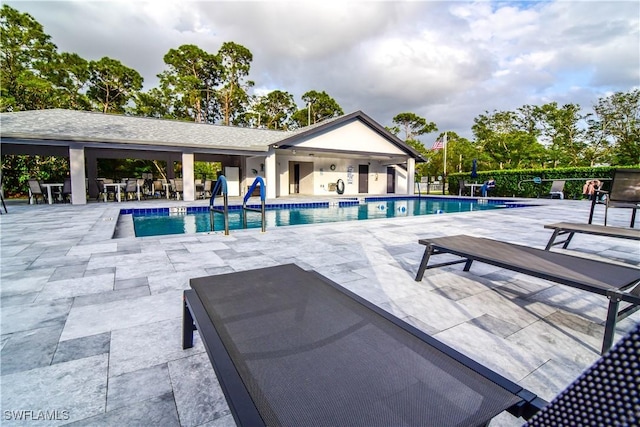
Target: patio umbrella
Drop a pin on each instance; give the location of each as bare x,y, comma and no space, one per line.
474,169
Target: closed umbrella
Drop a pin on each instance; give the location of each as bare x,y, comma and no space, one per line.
474,169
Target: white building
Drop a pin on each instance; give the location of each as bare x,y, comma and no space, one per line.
350,154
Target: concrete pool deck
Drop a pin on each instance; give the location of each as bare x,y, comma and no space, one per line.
91,325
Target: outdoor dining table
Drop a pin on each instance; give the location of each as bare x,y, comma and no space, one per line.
48,185
473,187
118,186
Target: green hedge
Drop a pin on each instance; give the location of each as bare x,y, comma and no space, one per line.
507,180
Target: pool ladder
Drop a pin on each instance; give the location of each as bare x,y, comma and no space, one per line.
263,198
221,185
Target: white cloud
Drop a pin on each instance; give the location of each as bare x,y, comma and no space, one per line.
447,61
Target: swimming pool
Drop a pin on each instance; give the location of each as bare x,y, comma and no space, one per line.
196,219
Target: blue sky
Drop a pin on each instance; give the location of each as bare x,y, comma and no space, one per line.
447,61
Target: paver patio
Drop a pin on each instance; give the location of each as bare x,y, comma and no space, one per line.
91,325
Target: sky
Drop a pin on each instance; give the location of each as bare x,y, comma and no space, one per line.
446,61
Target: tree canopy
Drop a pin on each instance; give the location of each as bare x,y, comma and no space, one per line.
215,88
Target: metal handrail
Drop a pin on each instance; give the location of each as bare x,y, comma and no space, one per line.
221,184
263,198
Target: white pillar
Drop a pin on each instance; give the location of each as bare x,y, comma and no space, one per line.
188,177
411,175
270,174
76,168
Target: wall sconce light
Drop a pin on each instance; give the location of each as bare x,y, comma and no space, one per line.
293,151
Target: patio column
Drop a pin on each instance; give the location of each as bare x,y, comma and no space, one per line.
188,177
76,167
411,175
271,177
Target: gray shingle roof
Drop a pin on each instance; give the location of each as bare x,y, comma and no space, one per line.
75,125
86,126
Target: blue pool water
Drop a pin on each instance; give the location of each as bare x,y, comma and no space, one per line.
157,222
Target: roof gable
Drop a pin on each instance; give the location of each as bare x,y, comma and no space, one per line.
302,135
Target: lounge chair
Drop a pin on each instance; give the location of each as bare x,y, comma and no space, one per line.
557,189
624,193
606,394
571,228
620,284
290,347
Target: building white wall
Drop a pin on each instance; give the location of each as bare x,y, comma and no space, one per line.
354,136
323,175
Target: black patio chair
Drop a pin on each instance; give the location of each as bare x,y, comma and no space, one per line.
624,193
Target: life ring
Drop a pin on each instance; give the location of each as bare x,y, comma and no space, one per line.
340,186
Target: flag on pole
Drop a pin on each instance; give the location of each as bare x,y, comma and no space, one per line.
439,144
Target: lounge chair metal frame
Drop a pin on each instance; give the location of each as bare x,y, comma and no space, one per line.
221,349
620,284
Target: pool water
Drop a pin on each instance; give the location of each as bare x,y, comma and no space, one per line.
158,222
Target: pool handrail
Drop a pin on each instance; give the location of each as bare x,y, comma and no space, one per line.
263,198
221,184
263,193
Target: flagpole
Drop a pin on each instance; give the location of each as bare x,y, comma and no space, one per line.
444,157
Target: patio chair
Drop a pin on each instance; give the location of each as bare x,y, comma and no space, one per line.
158,189
208,187
291,347
37,191
176,188
619,283
131,189
463,187
606,394
104,191
557,189
624,193
2,199
66,191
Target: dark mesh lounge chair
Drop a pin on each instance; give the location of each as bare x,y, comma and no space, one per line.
606,394
620,284
571,228
624,193
292,348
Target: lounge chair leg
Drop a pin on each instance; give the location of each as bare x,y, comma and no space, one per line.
467,265
423,264
566,242
610,324
187,326
552,239
633,218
